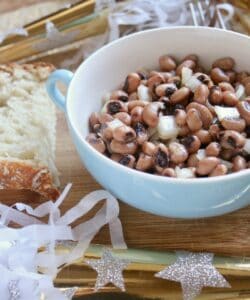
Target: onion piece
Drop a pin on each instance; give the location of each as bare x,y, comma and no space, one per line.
226,112
240,92
201,153
193,83
186,74
143,93
115,123
247,146
167,127
185,172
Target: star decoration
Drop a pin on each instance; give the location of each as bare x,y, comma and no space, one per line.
69,293
109,269
194,271
14,291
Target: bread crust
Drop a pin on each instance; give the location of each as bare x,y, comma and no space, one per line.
18,175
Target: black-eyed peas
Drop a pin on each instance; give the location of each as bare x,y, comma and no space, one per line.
176,118
218,75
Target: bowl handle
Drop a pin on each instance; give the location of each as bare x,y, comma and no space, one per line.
65,77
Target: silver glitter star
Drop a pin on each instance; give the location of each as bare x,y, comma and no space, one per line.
69,293
14,291
193,271
109,269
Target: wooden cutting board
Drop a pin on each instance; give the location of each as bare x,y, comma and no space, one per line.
229,234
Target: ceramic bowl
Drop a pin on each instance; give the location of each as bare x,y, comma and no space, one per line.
103,71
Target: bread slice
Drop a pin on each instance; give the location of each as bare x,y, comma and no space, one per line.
27,130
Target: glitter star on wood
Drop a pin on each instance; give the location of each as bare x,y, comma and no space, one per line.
109,269
70,292
194,271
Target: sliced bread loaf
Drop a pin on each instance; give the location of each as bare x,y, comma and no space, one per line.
27,130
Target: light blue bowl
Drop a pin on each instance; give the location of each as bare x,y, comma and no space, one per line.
104,71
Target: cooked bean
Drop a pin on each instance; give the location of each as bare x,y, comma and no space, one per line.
244,110
180,117
225,63
211,108
155,81
193,160
148,148
119,95
213,149
192,143
205,114
178,152
134,103
122,148
214,131
168,172
116,157
193,119
247,89
226,86
232,76
204,78
176,80
229,98
165,89
167,63
228,154
241,76
136,114
236,124
183,130
246,80
106,132
133,96
219,75
104,118
201,94
161,157
132,82
192,57
115,106
239,163
180,95
150,114
204,136
216,96
124,117
219,170
141,133
127,160
186,63
124,134
93,119
144,162
232,139
96,142
206,165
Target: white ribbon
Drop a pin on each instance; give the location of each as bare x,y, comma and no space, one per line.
19,256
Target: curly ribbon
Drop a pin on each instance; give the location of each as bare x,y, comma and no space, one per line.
20,257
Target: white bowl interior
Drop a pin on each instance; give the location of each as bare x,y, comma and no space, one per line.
107,68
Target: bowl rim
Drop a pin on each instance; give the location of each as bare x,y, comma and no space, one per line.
134,172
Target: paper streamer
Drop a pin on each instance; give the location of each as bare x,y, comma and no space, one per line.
20,259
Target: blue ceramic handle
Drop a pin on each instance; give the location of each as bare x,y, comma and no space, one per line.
65,77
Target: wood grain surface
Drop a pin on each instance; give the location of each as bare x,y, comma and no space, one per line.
229,234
